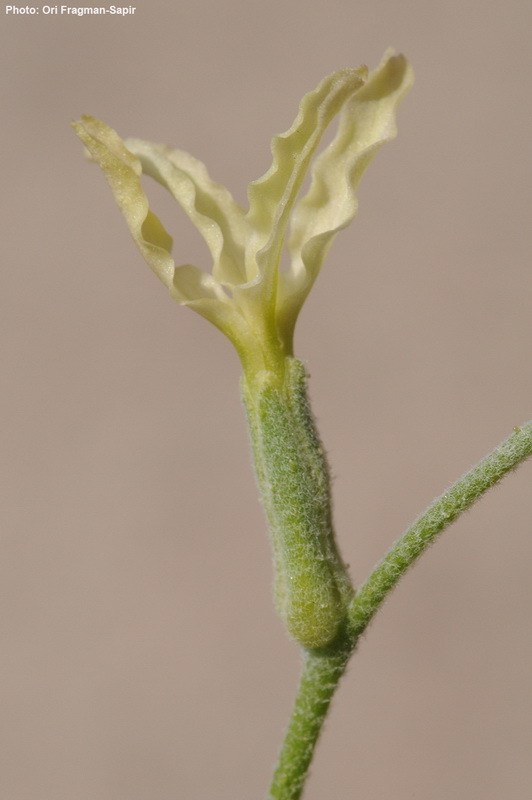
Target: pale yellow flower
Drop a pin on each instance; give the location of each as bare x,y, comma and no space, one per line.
246,295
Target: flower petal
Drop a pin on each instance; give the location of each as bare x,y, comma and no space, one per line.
122,170
188,285
367,121
209,205
200,291
272,196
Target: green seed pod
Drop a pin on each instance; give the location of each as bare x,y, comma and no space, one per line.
312,588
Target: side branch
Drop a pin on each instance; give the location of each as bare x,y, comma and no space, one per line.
443,511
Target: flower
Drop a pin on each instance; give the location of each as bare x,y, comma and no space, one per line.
246,295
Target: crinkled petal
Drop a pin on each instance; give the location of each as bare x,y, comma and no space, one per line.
122,170
366,123
272,196
191,283
200,291
209,205
188,285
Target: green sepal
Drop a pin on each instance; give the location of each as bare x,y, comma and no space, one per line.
312,587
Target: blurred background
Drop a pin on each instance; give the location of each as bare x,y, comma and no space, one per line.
141,658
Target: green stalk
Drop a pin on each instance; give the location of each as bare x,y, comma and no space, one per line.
320,677
323,668
439,515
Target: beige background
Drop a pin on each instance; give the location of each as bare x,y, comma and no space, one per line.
141,658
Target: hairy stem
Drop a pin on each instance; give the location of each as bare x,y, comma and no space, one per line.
322,669
320,677
438,516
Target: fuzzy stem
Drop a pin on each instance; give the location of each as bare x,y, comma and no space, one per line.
320,677
322,669
438,516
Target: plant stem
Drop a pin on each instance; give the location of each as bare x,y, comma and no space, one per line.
320,677
322,669
438,516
